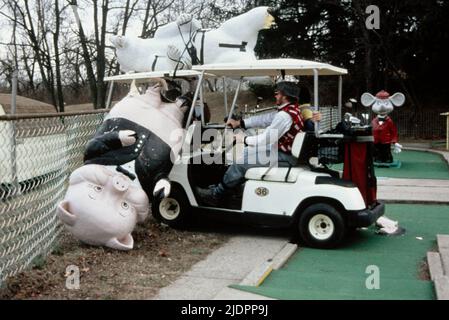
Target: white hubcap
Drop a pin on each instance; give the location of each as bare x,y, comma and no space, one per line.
321,227
169,208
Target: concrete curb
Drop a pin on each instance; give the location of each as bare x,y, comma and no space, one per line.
445,154
405,201
438,263
257,276
281,258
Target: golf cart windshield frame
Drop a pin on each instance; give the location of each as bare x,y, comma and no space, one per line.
270,67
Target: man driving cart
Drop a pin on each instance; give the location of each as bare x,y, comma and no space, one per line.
269,149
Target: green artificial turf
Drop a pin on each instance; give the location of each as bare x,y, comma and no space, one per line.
341,273
414,165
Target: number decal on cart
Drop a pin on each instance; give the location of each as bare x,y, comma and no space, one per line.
262,192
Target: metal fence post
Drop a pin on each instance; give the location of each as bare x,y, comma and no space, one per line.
14,133
14,92
447,128
340,97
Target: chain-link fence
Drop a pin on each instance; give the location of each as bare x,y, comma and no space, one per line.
37,154
330,117
420,125
411,124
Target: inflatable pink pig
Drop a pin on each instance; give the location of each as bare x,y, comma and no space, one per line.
102,207
126,164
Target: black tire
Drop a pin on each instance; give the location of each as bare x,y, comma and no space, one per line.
321,226
173,210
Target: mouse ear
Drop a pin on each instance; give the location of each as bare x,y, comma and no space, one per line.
367,99
398,99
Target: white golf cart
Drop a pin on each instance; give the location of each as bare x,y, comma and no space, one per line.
315,200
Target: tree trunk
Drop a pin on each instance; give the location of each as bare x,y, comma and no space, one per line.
38,52
146,19
100,37
86,56
57,58
45,52
29,69
368,65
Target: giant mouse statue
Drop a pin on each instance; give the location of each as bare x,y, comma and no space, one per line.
125,163
384,130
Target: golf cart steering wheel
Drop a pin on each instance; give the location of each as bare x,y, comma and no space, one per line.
234,142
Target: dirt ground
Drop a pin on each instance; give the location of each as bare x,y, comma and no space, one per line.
160,255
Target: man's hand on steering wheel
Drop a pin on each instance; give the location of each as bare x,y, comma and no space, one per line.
233,123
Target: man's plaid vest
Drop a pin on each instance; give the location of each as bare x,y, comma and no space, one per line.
285,142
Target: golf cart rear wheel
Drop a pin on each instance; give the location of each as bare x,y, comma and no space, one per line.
172,210
321,226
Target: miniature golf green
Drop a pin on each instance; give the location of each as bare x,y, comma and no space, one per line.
342,273
414,165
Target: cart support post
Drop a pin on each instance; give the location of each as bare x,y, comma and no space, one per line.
225,94
340,96
195,96
202,105
234,102
315,99
111,89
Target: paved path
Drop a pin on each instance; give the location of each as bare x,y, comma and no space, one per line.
229,264
413,190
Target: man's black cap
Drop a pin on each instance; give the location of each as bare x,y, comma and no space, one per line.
288,89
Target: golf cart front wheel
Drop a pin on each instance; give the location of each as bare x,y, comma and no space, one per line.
172,210
321,226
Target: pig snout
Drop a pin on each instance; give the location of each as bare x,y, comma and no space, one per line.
120,183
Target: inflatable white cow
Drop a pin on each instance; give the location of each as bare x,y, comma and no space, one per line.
104,199
165,51
183,43
235,39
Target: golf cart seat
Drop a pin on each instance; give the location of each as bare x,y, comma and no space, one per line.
280,174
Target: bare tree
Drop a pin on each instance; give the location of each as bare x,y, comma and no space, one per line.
86,54
129,11
63,57
57,57
152,16
38,20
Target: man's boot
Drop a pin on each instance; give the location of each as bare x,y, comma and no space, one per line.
211,196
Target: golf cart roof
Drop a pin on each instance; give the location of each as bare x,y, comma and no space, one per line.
271,67
143,77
